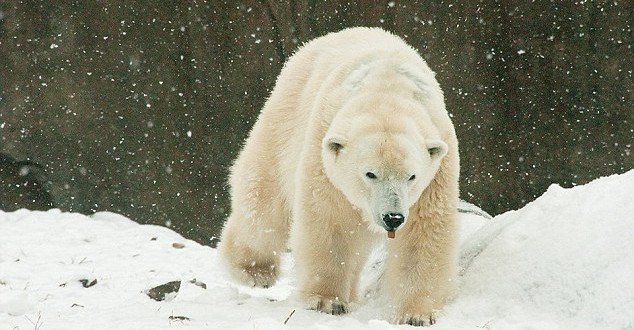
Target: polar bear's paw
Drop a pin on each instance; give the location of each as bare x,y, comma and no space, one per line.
328,305
424,320
263,276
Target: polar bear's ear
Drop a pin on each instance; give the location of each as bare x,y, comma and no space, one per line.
334,145
437,148
354,81
425,84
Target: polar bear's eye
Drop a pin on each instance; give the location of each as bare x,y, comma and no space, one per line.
411,178
370,175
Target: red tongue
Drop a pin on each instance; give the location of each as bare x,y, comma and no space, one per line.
391,234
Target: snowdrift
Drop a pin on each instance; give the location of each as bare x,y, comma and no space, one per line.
564,261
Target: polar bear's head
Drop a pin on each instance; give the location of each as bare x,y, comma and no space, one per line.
382,165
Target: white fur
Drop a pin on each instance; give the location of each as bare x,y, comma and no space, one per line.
346,104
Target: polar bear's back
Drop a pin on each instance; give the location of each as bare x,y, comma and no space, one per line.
351,47
356,40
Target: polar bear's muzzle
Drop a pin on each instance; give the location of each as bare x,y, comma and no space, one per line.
388,205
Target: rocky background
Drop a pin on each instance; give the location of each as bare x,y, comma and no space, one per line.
139,107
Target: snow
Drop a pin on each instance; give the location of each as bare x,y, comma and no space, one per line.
564,261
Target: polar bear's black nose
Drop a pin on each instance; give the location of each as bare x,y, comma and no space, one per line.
393,220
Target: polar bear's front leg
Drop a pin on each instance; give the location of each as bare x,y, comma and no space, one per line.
256,233
328,262
420,273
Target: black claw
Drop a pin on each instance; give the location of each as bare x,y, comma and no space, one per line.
338,309
420,322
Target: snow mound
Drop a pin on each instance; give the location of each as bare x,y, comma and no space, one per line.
565,261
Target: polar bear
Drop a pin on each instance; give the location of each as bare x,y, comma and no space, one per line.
354,142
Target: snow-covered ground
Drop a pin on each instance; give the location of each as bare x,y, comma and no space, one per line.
564,261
